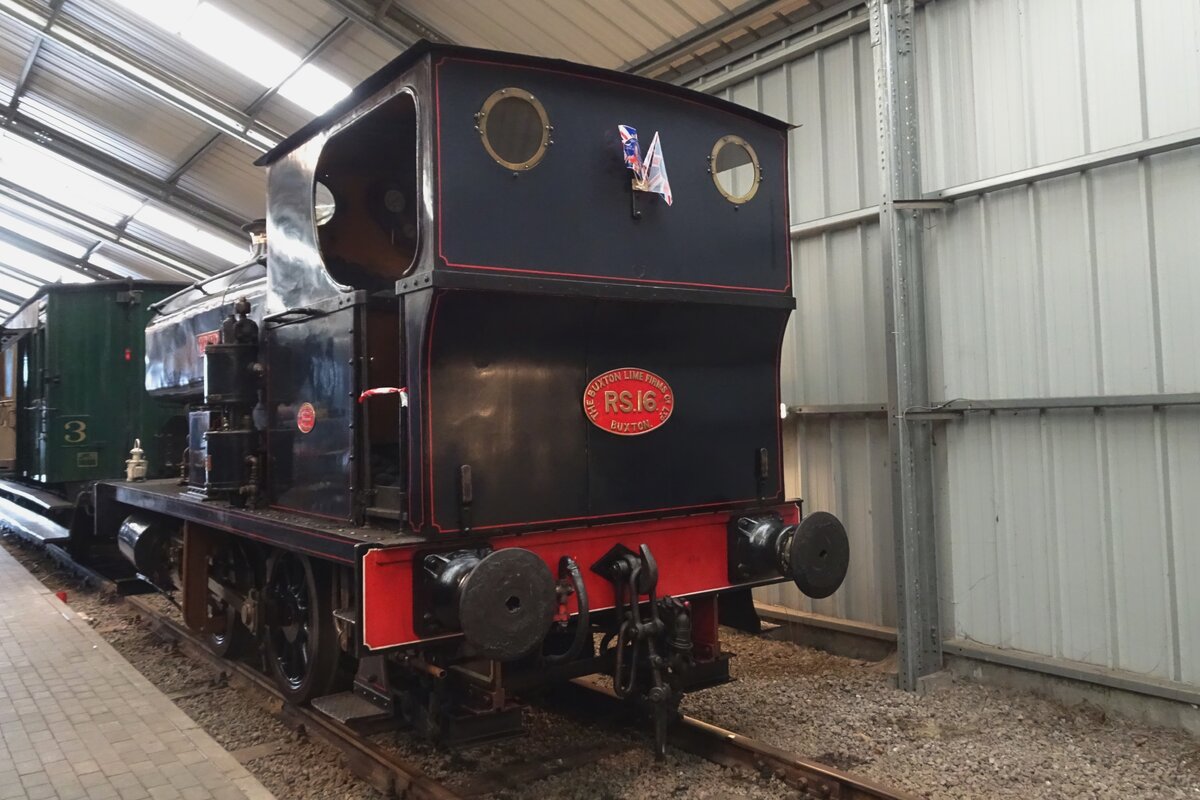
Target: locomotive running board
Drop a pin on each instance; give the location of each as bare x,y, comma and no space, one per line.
31,525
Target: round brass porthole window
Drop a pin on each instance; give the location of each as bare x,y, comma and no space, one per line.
734,168
514,128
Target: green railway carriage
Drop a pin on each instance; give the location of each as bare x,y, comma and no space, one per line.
77,366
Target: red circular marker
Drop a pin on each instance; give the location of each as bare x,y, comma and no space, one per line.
306,417
628,401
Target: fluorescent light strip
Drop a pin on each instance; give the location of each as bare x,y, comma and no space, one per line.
314,89
182,267
26,164
239,46
47,216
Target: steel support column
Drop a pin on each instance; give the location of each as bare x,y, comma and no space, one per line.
919,636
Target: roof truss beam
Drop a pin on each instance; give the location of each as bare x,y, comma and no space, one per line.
388,21
104,233
34,51
54,256
255,108
705,34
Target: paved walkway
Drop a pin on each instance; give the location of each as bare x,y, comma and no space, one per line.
78,722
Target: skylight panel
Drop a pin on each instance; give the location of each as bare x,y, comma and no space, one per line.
14,285
37,269
39,170
171,15
185,231
236,44
38,233
244,49
32,16
314,89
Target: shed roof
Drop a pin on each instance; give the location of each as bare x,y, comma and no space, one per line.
128,141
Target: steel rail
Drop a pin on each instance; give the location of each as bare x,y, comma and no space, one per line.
730,749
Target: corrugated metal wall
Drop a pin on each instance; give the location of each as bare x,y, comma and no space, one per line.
834,347
1066,533
1070,534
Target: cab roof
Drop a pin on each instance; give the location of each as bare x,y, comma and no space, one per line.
399,65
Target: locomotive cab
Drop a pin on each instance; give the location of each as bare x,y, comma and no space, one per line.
477,205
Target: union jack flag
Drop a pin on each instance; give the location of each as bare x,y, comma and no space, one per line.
632,150
650,175
656,170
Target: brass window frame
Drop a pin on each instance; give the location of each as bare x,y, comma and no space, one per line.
720,144
481,118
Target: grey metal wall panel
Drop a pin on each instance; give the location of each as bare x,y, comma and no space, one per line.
1065,533
1182,431
1059,528
1009,84
1063,539
841,465
1172,65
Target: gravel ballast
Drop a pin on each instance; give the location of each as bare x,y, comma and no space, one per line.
962,741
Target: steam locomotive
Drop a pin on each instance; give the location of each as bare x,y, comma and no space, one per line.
495,403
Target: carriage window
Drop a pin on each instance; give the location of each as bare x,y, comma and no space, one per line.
734,167
514,128
365,197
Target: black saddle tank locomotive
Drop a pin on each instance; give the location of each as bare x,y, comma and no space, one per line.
498,413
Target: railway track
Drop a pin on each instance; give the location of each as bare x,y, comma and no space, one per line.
393,776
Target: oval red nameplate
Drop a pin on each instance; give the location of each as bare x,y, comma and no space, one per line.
628,401
306,417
